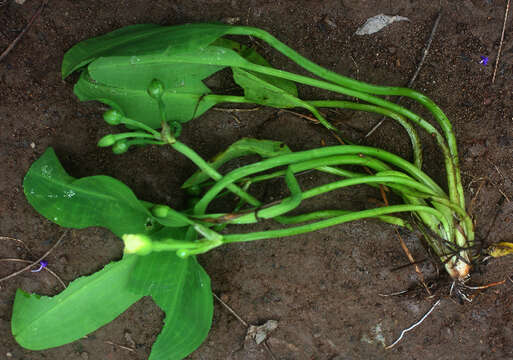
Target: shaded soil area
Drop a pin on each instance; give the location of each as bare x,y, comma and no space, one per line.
323,287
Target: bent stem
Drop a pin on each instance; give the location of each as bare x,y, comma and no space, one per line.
331,76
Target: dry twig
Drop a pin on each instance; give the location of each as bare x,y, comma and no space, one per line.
45,268
246,325
482,287
502,40
230,310
472,202
25,29
119,346
310,118
16,240
397,293
419,66
503,194
37,261
413,262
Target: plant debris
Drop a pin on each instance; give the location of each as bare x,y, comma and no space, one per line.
260,333
378,22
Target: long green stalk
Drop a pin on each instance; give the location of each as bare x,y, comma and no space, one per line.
205,167
278,209
331,222
412,133
438,114
314,154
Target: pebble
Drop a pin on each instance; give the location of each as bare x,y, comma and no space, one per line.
476,150
63,259
84,355
32,145
487,101
20,2
329,22
392,50
9,354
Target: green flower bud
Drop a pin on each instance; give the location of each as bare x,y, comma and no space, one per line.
112,117
156,89
137,244
160,211
107,140
120,147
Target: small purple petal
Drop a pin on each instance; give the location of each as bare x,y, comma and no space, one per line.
484,60
42,264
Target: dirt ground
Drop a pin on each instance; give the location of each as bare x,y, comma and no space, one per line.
324,287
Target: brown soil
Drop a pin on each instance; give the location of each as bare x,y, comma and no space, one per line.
323,287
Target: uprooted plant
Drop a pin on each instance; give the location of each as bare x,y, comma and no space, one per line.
152,77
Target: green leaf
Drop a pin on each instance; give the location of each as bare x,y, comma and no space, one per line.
89,302
254,57
137,40
156,271
243,147
260,90
177,76
181,288
80,203
181,70
182,104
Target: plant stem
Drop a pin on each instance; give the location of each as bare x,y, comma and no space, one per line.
316,154
205,167
412,133
331,222
281,208
438,114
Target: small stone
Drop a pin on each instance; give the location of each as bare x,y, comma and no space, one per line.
329,22
63,259
8,354
487,101
392,49
231,20
225,298
476,150
20,2
84,355
129,339
32,145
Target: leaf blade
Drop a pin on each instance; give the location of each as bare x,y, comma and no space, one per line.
80,203
89,302
136,104
140,39
181,288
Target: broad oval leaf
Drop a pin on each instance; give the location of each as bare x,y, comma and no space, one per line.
182,103
42,322
80,203
137,40
177,76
